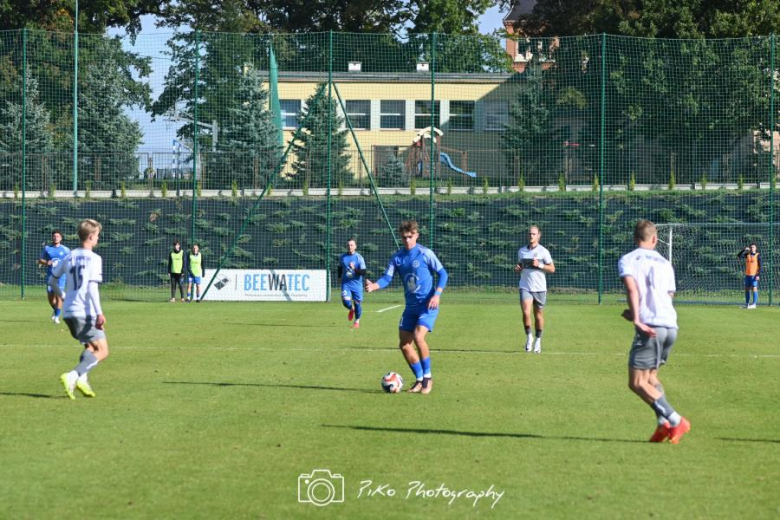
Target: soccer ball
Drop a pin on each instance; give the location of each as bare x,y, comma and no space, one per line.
392,383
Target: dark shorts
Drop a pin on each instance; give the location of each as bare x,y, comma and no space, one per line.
650,353
84,330
750,282
177,277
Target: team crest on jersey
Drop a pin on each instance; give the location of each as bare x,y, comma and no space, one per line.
416,264
411,283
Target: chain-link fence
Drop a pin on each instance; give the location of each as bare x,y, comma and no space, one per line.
271,151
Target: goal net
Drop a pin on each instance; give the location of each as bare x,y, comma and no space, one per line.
704,256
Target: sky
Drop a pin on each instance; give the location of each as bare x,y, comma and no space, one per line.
159,134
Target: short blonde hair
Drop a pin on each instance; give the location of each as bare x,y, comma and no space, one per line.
644,231
87,227
408,226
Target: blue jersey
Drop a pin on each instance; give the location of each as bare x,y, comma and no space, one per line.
416,267
348,276
53,253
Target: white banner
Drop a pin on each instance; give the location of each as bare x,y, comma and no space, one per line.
269,285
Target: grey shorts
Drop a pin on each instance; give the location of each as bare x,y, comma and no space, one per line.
84,330
650,353
539,298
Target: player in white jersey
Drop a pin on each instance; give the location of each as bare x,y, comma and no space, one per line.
533,262
81,310
649,281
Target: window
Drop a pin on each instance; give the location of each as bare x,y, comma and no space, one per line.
392,115
461,115
359,113
496,115
290,110
422,114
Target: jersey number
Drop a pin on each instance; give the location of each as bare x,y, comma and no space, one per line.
77,271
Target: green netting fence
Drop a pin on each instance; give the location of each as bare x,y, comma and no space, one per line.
272,150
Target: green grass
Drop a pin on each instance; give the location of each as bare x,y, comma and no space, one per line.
214,410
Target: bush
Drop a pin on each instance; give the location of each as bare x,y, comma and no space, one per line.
672,181
164,189
413,186
595,185
88,189
521,182
562,183
234,189
485,185
632,182
393,173
741,182
449,186
122,190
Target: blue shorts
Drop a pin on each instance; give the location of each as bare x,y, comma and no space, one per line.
194,279
61,282
750,281
351,293
418,316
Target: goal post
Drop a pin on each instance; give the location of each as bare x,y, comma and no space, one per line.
704,257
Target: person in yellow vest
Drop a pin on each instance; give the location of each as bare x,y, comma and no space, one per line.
196,271
752,274
176,270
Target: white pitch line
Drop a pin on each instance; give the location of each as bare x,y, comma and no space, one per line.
388,308
394,349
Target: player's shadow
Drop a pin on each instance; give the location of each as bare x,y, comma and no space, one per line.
479,434
278,385
36,396
732,439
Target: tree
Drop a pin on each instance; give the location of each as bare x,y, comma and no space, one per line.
39,139
108,138
530,135
95,16
311,152
651,18
248,148
393,172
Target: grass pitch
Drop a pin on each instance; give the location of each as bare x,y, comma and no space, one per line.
215,410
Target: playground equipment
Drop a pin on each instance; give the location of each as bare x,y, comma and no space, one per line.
420,154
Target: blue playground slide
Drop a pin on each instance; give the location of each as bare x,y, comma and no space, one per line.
445,159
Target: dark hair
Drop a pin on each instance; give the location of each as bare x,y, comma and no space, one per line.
408,226
56,232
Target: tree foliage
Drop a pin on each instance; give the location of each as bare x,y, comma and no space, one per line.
248,148
311,152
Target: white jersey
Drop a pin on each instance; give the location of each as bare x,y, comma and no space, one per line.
82,267
531,279
654,277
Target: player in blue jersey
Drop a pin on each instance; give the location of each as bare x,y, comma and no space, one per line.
51,255
416,265
351,269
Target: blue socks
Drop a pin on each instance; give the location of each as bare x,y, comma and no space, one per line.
358,310
417,369
57,312
747,297
426,366
755,297
347,304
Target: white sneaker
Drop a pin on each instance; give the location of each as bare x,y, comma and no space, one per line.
538,346
751,306
529,343
55,319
